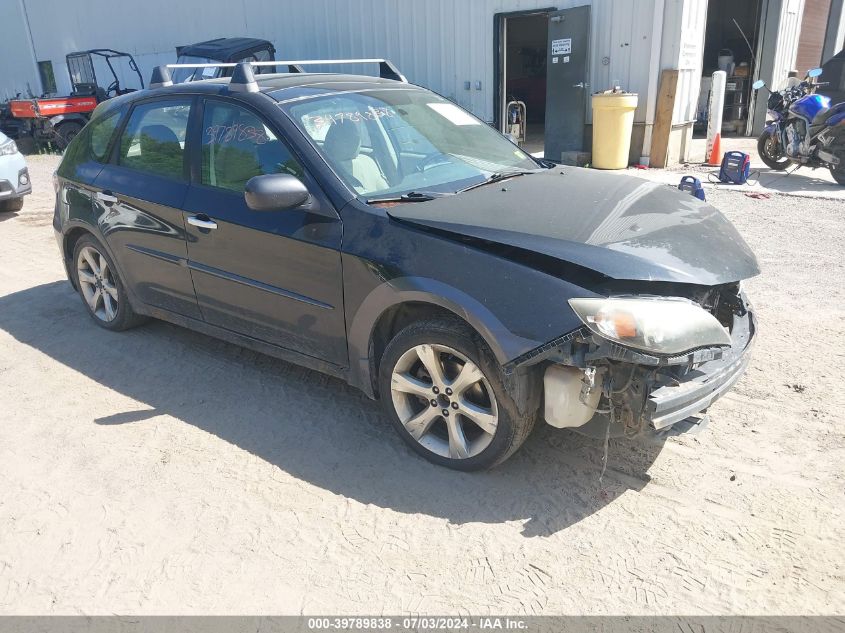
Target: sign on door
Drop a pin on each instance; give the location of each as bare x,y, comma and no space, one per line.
562,47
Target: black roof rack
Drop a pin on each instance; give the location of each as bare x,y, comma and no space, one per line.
243,78
161,77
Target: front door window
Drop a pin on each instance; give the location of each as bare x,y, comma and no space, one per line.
237,145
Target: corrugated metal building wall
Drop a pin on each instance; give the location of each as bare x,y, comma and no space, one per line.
441,44
18,70
683,47
684,26
787,40
776,51
437,43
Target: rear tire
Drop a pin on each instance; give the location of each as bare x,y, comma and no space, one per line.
26,145
100,287
448,398
7,206
838,172
771,152
66,132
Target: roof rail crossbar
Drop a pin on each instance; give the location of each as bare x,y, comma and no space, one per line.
386,68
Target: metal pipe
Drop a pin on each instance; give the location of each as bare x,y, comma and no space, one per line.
716,107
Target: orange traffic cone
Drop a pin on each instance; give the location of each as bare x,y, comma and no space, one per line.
715,157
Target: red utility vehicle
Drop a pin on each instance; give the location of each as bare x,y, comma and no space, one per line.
58,119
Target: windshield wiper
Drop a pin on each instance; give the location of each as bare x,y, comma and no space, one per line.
497,177
411,196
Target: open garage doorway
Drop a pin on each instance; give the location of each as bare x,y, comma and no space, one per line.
731,43
523,42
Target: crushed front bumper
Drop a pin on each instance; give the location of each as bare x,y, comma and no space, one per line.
701,387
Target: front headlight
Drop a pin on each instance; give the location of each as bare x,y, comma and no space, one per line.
8,148
664,326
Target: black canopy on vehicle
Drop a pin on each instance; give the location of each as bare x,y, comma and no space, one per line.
225,49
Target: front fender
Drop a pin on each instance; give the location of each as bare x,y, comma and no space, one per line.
772,128
502,342
513,302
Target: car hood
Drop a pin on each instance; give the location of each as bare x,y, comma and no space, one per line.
617,225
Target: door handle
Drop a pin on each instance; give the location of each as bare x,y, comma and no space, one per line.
106,198
581,85
201,222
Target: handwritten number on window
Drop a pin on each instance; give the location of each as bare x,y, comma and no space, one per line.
223,134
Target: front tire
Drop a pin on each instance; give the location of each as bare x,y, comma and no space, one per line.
449,400
100,287
771,152
7,206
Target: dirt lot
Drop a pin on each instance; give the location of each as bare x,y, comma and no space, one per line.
161,471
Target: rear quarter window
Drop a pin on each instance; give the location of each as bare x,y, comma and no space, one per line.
92,143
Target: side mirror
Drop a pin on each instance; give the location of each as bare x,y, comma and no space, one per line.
758,84
814,73
275,192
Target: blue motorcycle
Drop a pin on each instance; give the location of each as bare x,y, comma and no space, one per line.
803,129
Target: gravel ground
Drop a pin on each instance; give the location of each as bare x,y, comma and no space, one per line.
161,471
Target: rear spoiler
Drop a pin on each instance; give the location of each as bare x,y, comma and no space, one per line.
243,79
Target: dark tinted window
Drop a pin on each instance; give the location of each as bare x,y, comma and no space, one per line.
101,133
154,138
237,145
91,143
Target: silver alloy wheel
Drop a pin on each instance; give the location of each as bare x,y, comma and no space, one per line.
97,283
444,401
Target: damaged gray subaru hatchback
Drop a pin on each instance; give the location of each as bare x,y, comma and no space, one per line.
372,230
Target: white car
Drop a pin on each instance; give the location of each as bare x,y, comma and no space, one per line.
14,176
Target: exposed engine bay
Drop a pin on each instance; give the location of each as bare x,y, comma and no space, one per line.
593,384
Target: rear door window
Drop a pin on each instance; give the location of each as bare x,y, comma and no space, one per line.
154,139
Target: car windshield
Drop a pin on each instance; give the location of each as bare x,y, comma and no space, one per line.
389,142
181,75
